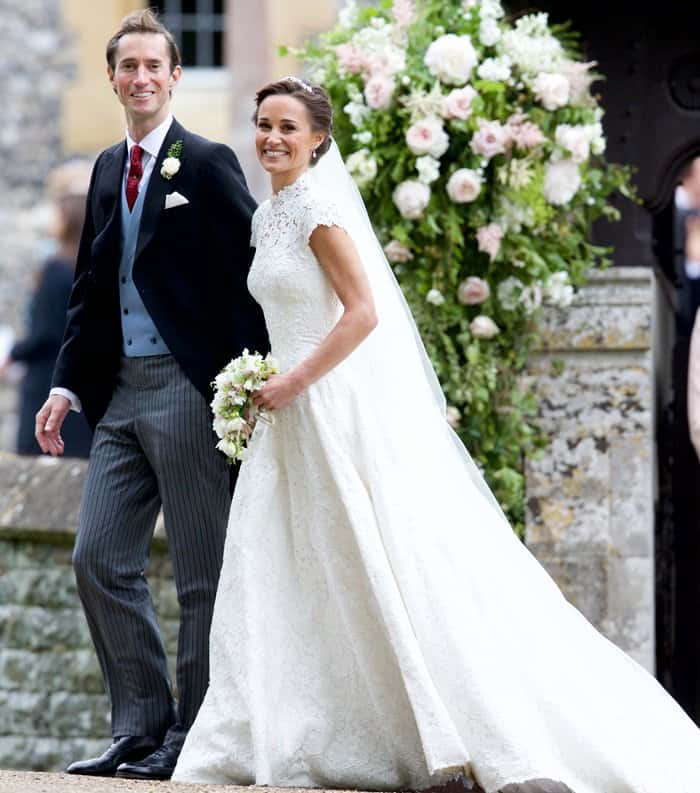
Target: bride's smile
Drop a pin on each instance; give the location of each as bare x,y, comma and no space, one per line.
285,139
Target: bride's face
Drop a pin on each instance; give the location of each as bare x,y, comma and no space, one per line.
284,137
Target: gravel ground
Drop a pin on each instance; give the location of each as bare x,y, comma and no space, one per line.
34,782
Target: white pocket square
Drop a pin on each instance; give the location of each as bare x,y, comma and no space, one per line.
175,200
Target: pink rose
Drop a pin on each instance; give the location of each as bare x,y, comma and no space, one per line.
379,91
427,136
396,252
351,60
464,186
473,291
527,136
489,239
458,103
491,139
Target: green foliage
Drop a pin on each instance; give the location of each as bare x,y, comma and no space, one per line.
545,251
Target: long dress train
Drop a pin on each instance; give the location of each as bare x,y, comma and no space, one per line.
377,624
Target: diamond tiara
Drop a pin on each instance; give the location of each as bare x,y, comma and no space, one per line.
302,83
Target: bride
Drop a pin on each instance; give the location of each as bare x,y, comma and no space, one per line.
377,623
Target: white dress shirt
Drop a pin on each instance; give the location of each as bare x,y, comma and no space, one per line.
151,146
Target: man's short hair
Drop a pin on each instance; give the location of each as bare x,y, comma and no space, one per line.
145,21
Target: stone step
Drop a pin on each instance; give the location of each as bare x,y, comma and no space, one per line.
39,782
35,782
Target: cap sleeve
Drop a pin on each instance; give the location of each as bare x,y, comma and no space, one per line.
322,213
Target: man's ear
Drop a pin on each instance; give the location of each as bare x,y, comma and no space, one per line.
175,77
110,75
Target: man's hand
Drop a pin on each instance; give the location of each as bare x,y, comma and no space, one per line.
692,238
49,421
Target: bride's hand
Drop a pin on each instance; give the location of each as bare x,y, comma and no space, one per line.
278,392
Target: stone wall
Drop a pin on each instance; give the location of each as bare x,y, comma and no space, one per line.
52,703
590,496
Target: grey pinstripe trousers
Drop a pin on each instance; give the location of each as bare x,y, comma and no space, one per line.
154,446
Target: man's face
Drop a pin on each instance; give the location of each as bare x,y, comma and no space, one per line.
141,77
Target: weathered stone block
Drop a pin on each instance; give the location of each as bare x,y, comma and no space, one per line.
590,510
52,587
36,628
70,671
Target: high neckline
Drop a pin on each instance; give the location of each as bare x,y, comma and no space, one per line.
291,189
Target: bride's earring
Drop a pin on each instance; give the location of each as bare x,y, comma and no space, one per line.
313,154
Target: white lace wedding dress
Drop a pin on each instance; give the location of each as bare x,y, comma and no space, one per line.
377,623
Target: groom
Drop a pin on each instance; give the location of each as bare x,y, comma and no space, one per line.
159,305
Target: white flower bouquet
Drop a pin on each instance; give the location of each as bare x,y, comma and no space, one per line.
235,414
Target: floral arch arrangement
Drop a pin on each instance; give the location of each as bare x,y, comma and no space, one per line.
479,150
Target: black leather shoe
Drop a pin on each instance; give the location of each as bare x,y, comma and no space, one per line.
123,750
159,765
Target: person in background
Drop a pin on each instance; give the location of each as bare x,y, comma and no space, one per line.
687,244
67,190
694,386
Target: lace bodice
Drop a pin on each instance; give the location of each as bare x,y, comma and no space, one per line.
298,301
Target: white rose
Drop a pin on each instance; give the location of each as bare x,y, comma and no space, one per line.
489,32
458,103
509,291
219,426
362,167
428,169
171,165
435,297
552,90
411,198
562,181
357,112
484,327
451,59
464,186
531,298
227,447
495,69
453,416
427,136
576,139
396,252
491,9
235,424
558,290
473,291
363,137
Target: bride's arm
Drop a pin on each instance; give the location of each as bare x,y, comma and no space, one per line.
338,257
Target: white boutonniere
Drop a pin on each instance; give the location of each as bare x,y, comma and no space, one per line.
171,164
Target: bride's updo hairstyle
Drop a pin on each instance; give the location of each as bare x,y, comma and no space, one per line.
315,100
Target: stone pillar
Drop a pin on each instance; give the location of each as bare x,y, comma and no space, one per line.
590,496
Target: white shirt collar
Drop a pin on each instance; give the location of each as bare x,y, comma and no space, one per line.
153,141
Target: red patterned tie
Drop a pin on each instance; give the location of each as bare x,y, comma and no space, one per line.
134,177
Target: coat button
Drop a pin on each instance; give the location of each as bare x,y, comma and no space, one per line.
126,310
153,340
128,341
123,279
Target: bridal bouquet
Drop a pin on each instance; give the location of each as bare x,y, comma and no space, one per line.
235,414
477,142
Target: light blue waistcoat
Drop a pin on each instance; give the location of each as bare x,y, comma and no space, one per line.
140,334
